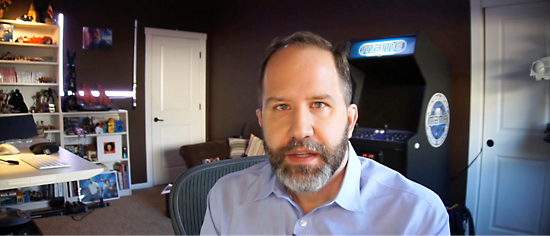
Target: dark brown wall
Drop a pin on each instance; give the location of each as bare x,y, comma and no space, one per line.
243,29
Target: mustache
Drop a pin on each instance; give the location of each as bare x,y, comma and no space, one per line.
295,144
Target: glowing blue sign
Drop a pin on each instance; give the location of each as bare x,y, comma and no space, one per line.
383,47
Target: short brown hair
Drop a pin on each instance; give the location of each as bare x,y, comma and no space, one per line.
303,38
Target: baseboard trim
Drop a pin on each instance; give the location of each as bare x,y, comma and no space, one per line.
142,185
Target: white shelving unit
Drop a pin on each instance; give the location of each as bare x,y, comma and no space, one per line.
72,139
54,69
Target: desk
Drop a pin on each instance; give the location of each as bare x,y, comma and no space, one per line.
24,175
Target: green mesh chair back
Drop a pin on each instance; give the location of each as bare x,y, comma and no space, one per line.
187,201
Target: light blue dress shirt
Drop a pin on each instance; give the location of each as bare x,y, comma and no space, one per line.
373,199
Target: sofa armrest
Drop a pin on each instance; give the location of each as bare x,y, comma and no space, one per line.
194,154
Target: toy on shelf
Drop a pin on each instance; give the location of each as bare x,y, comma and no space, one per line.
98,128
15,103
32,15
69,87
111,125
4,6
44,101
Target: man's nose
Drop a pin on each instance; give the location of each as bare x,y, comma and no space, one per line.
301,124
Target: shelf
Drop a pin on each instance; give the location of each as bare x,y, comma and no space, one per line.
29,24
34,114
80,113
29,62
45,114
31,84
95,135
113,160
29,205
53,46
54,131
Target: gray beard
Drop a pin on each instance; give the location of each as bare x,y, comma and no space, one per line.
307,178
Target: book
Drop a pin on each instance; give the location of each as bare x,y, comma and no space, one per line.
123,170
119,176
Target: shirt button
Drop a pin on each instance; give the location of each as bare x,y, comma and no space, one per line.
303,223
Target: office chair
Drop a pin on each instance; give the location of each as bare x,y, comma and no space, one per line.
187,201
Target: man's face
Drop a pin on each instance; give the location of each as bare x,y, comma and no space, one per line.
305,119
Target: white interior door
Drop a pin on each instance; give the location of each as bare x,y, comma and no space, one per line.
515,172
177,101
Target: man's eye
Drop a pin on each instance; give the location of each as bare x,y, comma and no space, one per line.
319,104
282,107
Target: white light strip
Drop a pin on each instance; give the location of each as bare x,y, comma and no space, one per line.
110,94
61,78
120,94
134,85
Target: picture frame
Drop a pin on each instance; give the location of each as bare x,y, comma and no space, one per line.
109,148
102,186
6,33
95,38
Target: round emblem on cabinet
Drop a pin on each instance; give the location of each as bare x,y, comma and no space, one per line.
438,117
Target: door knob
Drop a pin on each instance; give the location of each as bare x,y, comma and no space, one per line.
157,119
490,143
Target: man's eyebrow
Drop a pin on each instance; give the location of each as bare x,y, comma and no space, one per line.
317,97
274,99
322,97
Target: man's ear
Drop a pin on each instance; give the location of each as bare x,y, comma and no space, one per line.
259,115
353,114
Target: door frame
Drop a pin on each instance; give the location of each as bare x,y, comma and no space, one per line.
149,32
477,88
477,95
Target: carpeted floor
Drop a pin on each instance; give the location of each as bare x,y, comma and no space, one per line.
143,213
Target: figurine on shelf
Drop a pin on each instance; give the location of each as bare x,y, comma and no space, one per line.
48,15
125,152
16,100
7,56
50,100
98,129
33,16
37,107
4,6
80,131
70,103
2,99
111,125
119,126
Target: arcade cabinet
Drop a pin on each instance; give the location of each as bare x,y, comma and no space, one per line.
402,89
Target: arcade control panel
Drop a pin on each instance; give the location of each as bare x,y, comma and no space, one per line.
382,135
382,145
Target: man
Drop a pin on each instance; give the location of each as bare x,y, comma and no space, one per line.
97,42
95,192
314,183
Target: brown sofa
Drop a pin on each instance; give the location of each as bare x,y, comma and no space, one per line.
194,154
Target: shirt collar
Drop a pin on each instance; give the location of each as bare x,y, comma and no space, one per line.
348,197
271,184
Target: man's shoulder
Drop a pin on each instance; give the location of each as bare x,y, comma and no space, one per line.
383,181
